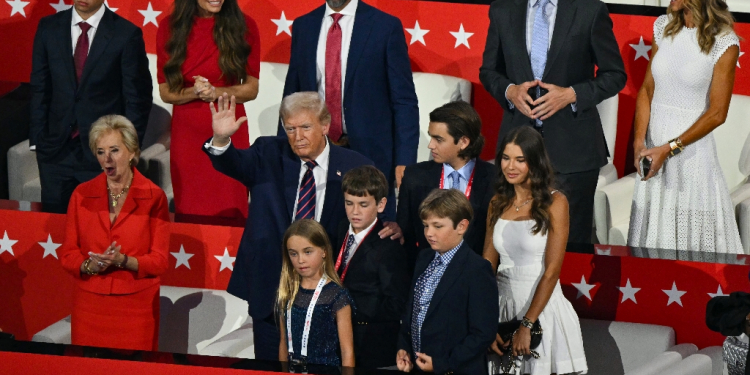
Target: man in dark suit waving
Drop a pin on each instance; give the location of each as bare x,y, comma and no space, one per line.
290,178
87,62
549,63
355,56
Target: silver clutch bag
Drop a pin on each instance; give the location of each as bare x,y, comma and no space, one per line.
735,355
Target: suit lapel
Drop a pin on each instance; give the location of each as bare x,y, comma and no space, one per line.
333,186
67,46
291,166
101,39
363,23
518,19
566,11
451,274
367,244
479,185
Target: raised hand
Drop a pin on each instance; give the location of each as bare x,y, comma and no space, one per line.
223,120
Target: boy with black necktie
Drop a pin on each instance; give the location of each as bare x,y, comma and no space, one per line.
373,269
452,311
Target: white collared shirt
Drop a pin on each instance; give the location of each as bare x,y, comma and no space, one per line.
320,174
531,14
358,238
464,174
347,27
75,30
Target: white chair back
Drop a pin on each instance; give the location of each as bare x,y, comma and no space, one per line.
434,90
263,112
608,113
733,142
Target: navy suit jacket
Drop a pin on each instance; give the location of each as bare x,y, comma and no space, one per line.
270,170
461,320
380,104
115,80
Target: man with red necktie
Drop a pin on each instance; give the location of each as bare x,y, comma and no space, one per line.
355,56
87,62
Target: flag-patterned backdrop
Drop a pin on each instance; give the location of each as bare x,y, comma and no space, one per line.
445,38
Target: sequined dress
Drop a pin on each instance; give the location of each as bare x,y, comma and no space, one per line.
323,346
687,205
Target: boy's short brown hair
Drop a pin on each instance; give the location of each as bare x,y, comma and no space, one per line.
449,203
365,180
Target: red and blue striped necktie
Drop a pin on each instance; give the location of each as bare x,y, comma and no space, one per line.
306,200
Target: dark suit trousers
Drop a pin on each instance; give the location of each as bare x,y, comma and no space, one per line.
579,188
266,338
60,176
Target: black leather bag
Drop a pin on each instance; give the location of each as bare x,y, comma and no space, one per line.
506,330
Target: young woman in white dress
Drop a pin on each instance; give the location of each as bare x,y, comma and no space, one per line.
683,202
527,232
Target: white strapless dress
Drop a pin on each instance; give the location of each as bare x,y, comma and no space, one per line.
521,268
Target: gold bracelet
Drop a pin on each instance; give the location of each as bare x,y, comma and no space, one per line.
86,267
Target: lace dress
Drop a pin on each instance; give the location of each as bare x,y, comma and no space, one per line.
686,206
521,268
323,344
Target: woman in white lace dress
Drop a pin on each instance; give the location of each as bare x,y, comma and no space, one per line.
527,232
683,202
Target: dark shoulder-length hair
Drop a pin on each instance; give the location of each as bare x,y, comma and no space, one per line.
229,34
541,177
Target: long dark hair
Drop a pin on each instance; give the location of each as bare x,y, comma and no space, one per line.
541,177
229,35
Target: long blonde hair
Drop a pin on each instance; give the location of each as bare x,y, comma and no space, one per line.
711,18
290,280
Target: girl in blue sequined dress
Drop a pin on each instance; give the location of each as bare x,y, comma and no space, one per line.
310,295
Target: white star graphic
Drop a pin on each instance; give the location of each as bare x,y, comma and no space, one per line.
719,293
641,50
283,25
674,294
6,244
462,37
417,34
183,257
226,260
149,15
110,8
628,292
738,59
607,251
49,247
584,289
60,6
17,6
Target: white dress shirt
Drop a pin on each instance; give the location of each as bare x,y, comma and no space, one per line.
320,174
464,174
347,26
358,238
75,30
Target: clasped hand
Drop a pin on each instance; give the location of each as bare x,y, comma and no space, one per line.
204,89
521,343
657,155
544,107
404,363
110,256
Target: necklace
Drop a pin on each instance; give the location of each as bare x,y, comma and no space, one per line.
116,197
523,204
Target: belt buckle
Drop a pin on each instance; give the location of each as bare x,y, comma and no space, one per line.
298,365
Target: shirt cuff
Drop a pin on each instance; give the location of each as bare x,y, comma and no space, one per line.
32,147
574,106
216,151
510,104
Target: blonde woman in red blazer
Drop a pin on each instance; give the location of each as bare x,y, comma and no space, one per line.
116,244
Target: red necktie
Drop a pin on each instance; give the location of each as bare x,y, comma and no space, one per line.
333,77
82,49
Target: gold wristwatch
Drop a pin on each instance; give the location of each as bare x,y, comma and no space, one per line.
676,146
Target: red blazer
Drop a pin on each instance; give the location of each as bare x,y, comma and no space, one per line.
142,229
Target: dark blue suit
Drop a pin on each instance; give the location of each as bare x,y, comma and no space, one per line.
271,170
380,104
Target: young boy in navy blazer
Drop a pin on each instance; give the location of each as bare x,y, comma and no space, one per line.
452,311
373,269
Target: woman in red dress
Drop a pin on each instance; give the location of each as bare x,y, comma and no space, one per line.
116,245
207,49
